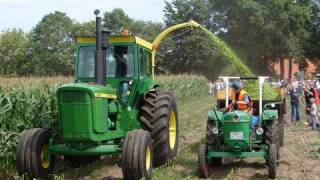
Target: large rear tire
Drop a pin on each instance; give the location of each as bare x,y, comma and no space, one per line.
159,116
272,169
203,166
137,159
273,136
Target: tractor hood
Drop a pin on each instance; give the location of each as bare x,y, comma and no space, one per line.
94,90
237,116
83,111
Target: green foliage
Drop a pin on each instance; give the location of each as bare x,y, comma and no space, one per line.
256,30
51,45
116,20
13,47
84,29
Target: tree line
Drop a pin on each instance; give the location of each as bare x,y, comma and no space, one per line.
259,31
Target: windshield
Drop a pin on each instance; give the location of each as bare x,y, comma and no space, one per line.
119,61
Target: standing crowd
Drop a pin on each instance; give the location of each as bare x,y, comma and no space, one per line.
309,90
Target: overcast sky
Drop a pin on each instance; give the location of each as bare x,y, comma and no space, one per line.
26,14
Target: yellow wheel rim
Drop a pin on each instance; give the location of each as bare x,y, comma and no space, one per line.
148,158
45,156
172,130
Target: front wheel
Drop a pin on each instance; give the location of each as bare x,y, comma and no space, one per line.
34,157
137,161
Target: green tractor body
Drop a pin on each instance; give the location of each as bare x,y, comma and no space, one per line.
114,106
96,116
236,134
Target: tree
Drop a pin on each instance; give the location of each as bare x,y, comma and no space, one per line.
51,45
13,47
116,20
84,29
257,30
312,46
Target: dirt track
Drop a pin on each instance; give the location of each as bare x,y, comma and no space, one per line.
300,159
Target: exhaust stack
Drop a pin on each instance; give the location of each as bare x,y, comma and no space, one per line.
102,37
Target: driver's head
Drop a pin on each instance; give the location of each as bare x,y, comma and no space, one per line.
236,86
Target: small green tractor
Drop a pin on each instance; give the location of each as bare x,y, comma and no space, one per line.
235,134
114,106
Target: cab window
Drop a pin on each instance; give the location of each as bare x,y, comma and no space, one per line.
145,62
119,61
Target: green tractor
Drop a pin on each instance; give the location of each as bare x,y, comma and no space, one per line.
236,134
114,106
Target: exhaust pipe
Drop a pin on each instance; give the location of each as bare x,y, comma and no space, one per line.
102,38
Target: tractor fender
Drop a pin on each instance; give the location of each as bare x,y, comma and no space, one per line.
269,115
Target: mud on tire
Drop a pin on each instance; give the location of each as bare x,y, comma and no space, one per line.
159,116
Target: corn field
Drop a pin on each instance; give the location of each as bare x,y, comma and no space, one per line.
31,102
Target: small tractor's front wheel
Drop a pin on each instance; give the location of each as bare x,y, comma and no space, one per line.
33,156
203,166
159,116
137,161
272,161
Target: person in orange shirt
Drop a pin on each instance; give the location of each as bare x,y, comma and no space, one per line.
240,99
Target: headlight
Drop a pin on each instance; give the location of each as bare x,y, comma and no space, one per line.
236,117
259,131
215,130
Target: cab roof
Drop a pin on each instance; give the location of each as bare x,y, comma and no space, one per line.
116,39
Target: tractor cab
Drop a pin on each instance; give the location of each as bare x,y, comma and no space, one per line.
128,62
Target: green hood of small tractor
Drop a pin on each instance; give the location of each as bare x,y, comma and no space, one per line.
230,116
94,90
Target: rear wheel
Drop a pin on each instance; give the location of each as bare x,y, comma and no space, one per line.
203,166
273,134
272,169
159,116
281,125
137,159
281,133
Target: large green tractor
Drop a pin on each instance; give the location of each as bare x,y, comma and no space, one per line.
114,106
237,134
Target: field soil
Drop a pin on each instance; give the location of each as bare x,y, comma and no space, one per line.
300,155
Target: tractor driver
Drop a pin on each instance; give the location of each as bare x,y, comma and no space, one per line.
121,64
240,99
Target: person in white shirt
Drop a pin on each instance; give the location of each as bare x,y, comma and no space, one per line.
313,114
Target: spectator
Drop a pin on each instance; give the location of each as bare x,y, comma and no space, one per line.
295,102
308,95
313,114
316,97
